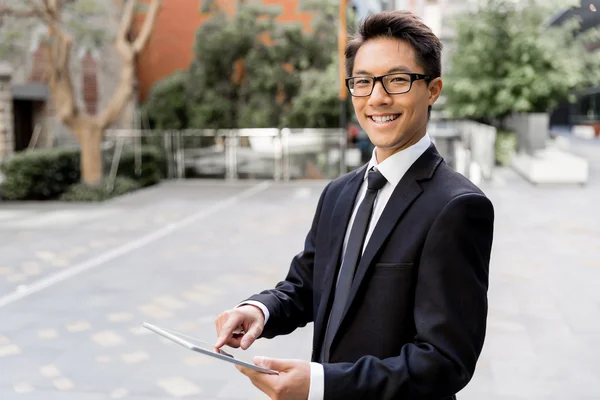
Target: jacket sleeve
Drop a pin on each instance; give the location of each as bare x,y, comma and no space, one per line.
450,312
290,304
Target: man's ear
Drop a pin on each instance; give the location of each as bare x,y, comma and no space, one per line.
435,89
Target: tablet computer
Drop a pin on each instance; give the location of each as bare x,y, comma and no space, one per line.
204,348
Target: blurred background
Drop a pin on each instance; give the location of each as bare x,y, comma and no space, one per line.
161,161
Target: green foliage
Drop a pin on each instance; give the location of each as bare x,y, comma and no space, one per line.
9,39
508,59
152,167
167,105
289,77
505,147
317,104
207,6
85,19
222,99
80,192
40,174
45,174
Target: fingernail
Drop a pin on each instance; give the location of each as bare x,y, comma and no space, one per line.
258,360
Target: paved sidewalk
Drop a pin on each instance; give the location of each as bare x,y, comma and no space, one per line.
180,253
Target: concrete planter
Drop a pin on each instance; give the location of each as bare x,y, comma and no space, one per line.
531,130
538,163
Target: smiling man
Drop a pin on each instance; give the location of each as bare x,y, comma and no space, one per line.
394,271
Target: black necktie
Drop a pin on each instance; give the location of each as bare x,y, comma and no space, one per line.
351,258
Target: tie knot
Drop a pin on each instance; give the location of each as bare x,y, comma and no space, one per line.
376,180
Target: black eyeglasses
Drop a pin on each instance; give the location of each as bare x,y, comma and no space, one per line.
396,83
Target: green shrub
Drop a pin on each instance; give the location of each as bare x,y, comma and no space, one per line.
40,174
44,174
506,144
167,103
152,168
101,192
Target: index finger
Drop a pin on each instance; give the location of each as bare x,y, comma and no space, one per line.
227,331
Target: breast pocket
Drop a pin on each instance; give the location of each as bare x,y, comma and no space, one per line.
394,265
393,280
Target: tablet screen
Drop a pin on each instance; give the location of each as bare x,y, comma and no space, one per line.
203,347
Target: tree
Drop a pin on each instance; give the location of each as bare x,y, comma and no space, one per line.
219,81
250,71
88,129
317,103
167,102
508,59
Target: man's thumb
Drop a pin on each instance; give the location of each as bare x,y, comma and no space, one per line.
269,363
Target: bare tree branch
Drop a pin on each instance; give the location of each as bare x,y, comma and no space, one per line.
53,5
60,77
33,4
35,10
24,13
126,20
121,42
119,99
144,35
128,51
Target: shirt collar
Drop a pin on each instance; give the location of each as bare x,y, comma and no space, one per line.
395,166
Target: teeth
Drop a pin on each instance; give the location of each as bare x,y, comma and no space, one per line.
386,118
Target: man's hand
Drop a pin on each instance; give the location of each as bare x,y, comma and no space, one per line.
292,383
248,318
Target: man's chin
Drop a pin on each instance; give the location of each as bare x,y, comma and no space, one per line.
387,149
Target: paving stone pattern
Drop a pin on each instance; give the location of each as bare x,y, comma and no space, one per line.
81,338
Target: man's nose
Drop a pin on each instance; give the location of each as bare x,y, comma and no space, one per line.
379,95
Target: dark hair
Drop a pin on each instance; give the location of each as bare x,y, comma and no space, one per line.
402,25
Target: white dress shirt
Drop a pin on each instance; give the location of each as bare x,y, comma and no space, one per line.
393,169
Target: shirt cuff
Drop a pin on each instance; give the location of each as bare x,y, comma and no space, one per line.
260,305
316,389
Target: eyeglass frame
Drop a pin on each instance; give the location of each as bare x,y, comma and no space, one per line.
413,77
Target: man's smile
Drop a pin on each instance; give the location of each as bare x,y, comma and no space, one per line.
382,119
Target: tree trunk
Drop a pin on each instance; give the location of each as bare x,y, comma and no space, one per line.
90,138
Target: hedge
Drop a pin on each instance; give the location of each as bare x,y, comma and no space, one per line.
44,174
153,166
103,191
40,174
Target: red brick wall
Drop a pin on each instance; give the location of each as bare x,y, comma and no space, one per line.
39,63
89,85
170,47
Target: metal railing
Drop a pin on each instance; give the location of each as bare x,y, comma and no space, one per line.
270,153
289,154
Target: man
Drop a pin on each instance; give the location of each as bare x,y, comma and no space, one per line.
394,272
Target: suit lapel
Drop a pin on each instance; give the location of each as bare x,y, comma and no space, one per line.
405,193
339,222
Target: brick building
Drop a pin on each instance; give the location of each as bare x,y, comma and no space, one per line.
24,96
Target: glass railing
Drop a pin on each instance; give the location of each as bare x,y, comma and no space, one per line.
289,154
270,153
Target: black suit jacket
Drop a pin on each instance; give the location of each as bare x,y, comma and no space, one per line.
415,321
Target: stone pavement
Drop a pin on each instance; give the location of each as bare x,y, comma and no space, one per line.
76,282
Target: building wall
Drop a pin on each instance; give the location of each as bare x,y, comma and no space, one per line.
366,7
6,117
94,70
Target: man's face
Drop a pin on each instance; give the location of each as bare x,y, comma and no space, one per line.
379,57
